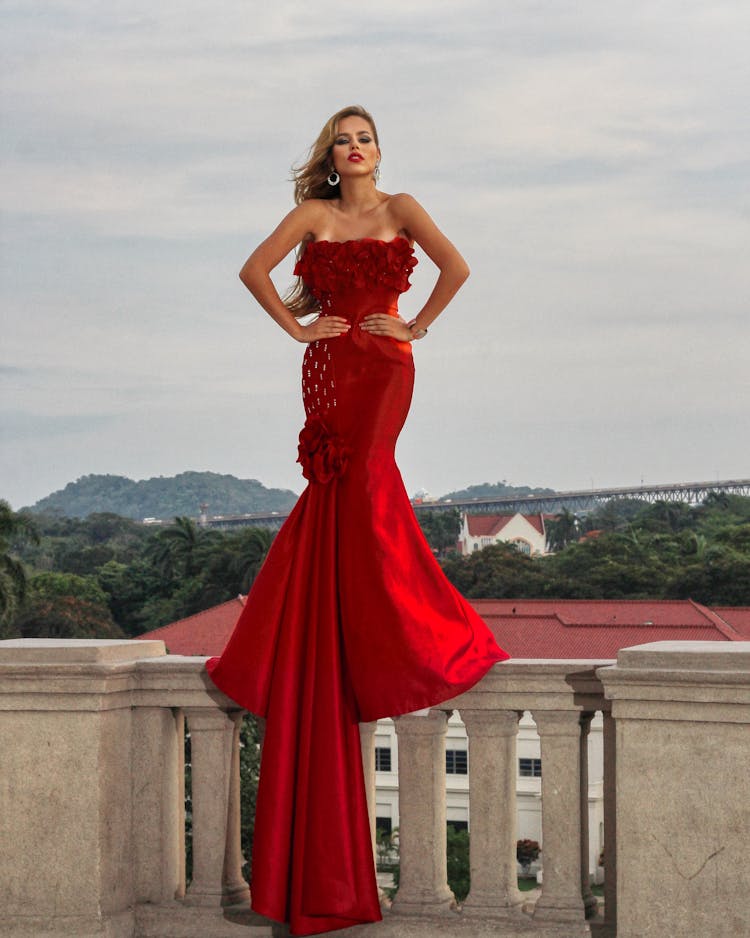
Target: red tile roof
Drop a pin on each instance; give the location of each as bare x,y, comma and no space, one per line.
536,521
486,525
527,628
205,633
489,525
535,628
737,616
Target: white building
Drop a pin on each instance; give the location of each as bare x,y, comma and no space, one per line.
526,532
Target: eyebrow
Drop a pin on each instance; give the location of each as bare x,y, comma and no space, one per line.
343,133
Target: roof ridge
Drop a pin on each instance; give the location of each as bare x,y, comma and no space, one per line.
726,628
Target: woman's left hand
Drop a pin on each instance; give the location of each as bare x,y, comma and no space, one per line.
382,324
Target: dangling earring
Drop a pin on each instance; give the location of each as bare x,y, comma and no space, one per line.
376,174
333,178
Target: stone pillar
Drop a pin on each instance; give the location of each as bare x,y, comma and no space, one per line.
211,735
492,806
158,804
559,733
682,711
589,899
423,887
236,890
66,786
610,820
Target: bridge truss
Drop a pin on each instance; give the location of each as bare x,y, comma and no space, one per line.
586,500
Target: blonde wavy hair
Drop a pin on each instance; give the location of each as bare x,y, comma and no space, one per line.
311,182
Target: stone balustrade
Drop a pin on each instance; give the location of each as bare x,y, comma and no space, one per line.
92,806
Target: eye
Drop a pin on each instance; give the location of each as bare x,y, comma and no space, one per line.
339,140
365,138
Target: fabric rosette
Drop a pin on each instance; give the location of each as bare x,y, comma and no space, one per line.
322,454
328,266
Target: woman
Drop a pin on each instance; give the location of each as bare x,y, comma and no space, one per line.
350,618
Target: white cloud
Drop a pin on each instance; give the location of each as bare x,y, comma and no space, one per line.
589,159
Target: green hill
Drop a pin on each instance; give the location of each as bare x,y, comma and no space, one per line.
495,490
165,496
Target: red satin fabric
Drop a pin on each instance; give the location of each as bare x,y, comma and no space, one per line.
350,618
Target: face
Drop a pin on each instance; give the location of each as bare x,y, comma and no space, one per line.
354,151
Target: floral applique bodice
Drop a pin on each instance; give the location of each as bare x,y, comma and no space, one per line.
331,267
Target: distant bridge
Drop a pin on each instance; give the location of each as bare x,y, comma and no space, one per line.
585,500
577,502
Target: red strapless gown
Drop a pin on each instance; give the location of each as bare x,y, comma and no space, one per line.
350,618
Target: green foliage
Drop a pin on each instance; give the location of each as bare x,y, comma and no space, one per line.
15,530
565,529
65,605
632,551
459,867
141,577
137,576
441,528
250,740
165,497
497,572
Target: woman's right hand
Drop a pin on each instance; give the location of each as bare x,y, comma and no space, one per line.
324,327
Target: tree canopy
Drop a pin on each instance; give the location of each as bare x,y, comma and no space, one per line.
107,575
625,551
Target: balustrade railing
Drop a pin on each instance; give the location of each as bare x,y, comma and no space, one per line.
92,795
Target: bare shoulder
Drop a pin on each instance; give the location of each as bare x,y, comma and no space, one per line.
412,218
312,212
407,212
401,203
408,215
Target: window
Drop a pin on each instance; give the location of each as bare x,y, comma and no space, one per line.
456,762
521,545
384,825
530,768
382,758
458,825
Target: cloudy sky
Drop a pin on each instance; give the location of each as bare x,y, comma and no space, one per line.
590,159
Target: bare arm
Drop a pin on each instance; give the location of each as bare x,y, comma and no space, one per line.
255,274
411,217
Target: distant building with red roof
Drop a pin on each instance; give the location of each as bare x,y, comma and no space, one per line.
526,532
526,628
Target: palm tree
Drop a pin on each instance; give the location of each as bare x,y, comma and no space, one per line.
562,530
254,545
176,550
13,526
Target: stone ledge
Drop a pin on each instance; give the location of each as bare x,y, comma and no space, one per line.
38,651
702,657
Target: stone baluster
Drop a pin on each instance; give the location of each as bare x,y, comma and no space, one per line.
158,804
492,812
589,899
211,735
559,733
423,887
610,819
367,742
236,890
